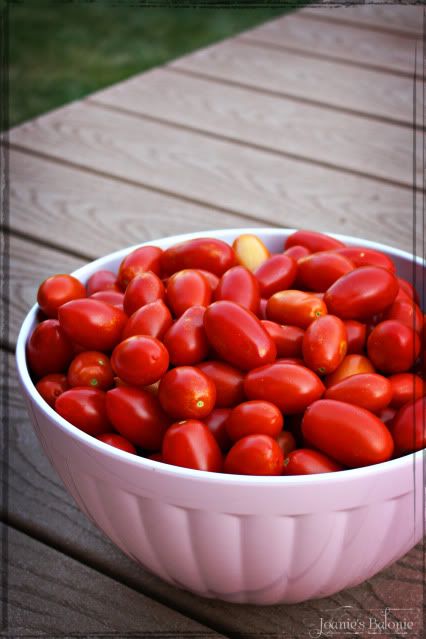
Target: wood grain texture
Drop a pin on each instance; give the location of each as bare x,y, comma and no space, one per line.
254,183
318,134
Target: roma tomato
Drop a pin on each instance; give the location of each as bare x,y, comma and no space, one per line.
186,392
387,416
368,390
117,441
51,386
351,365
393,347
142,289
305,461
145,258
313,241
48,349
140,360
216,423
325,344
186,340
356,335
362,293
289,386
239,285
286,442
406,387
297,252
58,290
91,368
276,274
296,308
93,324
407,312
102,280
187,288
212,279
137,415
206,253
250,251
115,298
154,319
190,444
318,271
237,335
228,381
363,256
288,339
85,409
254,418
262,308
349,434
409,429
254,455
408,289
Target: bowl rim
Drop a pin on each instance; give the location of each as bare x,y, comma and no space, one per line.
347,475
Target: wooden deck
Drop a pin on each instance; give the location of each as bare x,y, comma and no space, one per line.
306,121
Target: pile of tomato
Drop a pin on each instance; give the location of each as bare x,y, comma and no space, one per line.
230,359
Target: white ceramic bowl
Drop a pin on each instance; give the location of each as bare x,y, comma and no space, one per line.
262,540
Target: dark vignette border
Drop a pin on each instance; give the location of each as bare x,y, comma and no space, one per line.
417,218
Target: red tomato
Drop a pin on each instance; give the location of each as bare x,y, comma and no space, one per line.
313,241
187,288
91,368
143,289
237,335
254,455
239,285
212,279
229,382
186,340
254,418
368,390
262,308
407,312
115,298
296,308
286,442
351,365
288,339
137,416
186,392
387,416
349,434
318,271
51,386
291,360
393,347
309,462
297,252
101,281
58,290
155,457
363,256
408,289
325,344
140,360
154,319
289,386
362,293
408,429
117,441
85,409
93,324
216,423
48,349
190,444
145,258
276,274
406,387
204,253
356,335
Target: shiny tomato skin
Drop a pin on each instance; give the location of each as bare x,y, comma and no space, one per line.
406,387
140,360
206,253
190,444
291,360
239,285
58,290
115,298
349,434
363,256
237,336
228,381
216,423
286,442
362,293
351,365
408,289
313,241
187,288
356,335
318,271
276,274
305,461
288,339
393,347
48,349
186,392
254,455
294,307
254,418
84,408
154,319
51,386
93,324
289,386
250,251
145,258
368,390
102,280
212,279
91,368
137,415
324,344
408,428
117,441
186,339
297,252
143,289
407,312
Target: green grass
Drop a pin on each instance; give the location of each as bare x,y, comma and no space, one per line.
64,52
